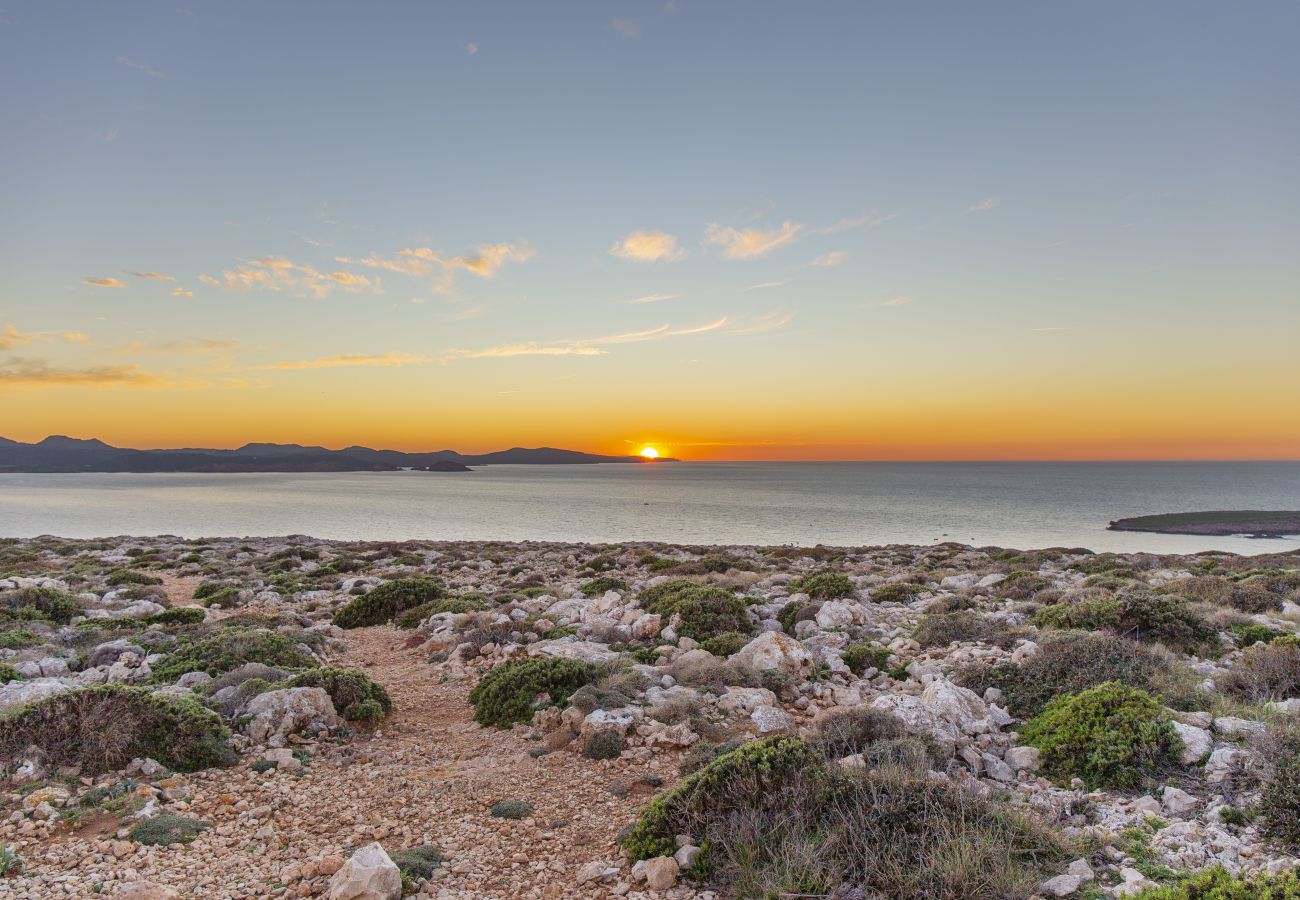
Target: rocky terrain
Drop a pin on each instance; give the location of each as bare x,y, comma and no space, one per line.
293,717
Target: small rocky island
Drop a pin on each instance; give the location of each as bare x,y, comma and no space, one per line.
1255,523
443,465
294,717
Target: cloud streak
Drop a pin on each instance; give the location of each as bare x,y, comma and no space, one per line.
750,243
140,67
581,347
382,360
652,298
648,246
20,372
484,262
103,282
154,276
276,273
11,337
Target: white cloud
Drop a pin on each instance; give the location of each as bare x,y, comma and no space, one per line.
767,322
897,301
276,273
765,285
484,262
104,282
648,246
829,260
153,276
984,205
383,360
471,48
749,243
181,292
140,67
652,298
19,372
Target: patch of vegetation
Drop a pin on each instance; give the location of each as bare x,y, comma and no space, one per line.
942,629
387,601
774,819
511,809
412,617
1218,884
794,612
606,744
598,586
356,696
863,655
508,695
825,585
38,604
705,611
1020,586
1066,664
1139,615
1279,806
227,649
1248,634
119,577
18,639
165,829
896,592
847,730
1109,736
103,727
726,643
11,863
1265,672
417,863
177,615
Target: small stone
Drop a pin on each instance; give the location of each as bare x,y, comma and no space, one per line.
661,873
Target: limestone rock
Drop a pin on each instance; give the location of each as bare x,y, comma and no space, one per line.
772,650
369,875
278,714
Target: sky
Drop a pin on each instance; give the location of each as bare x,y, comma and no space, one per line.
730,230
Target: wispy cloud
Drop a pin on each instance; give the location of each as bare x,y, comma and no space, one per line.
382,360
767,322
628,28
897,301
276,273
583,347
104,282
471,48
872,218
20,372
652,298
750,243
181,292
484,262
829,260
11,337
764,285
140,67
983,205
648,246
154,276
111,135
186,345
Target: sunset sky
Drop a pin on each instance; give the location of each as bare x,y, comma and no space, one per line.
732,230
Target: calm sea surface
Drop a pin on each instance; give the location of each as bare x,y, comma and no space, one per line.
1021,505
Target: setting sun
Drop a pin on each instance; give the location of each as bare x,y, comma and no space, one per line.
649,453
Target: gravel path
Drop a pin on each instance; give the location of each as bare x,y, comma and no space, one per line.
429,775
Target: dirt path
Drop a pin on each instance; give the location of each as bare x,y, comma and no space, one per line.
428,775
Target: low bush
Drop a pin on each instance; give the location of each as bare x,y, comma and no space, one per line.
229,648
863,655
387,601
207,589
38,604
417,863
412,617
1248,634
356,696
704,611
845,731
726,643
1066,664
511,809
1279,802
823,585
508,695
103,727
942,629
606,744
18,639
774,820
1109,736
177,615
896,592
1265,672
8,673
1218,884
794,612
1020,586
119,577
167,829
598,586
1136,614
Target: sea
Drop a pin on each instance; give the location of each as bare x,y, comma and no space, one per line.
1022,505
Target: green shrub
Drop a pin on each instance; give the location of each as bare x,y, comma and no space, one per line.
103,727
387,601
710,612
1020,586
1110,736
1248,634
18,639
1265,672
38,604
1138,615
177,615
8,673
165,829
417,863
1279,803
789,615
11,863
606,744
823,585
356,696
726,643
598,586
508,694
1066,664
847,730
412,617
1217,884
119,577
207,588
864,655
774,820
511,809
229,648
896,592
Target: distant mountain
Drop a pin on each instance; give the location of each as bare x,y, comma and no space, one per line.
59,453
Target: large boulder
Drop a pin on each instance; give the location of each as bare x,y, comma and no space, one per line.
277,714
773,650
369,875
585,651
20,693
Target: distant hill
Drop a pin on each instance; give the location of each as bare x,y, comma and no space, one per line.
59,453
